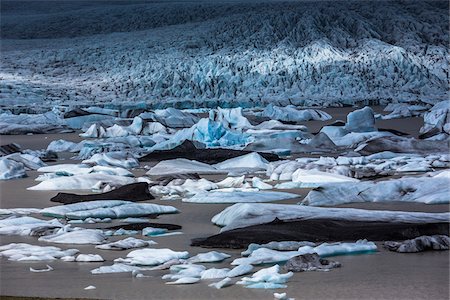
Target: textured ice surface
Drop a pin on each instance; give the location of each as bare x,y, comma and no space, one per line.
114,209
265,255
80,236
182,166
221,284
291,114
437,120
125,244
26,252
27,225
246,214
10,169
89,258
267,278
227,53
116,268
252,161
240,270
430,190
81,182
419,244
239,196
208,257
116,159
282,246
152,257
314,178
214,273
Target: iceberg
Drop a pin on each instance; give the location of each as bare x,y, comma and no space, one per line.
291,114
27,252
114,209
152,257
77,236
89,258
209,257
125,244
252,161
10,169
182,166
429,190
81,182
267,278
239,196
246,214
116,159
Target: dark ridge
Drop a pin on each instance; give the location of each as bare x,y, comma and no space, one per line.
77,112
131,192
210,156
319,230
140,226
393,131
9,149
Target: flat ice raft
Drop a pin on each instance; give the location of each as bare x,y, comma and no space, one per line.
247,214
113,209
81,182
239,196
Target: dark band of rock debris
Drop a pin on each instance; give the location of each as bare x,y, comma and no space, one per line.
131,192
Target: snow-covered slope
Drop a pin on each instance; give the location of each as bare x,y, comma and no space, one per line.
229,53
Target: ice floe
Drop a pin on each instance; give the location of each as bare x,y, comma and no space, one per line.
246,214
151,257
125,244
209,257
182,166
265,256
430,190
106,209
27,252
267,278
419,244
81,182
76,236
239,196
291,114
89,258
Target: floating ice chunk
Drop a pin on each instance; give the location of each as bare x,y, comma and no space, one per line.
436,120
18,211
310,262
116,268
208,257
361,120
182,166
252,161
125,244
116,159
259,184
185,270
47,269
185,280
291,114
231,182
114,209
95,131
120,231
91,287
264,255
81,182
63,146
89,258
221,284
267,278
422,189
26,252
152,257
419,244
230,118
282,246
247,214
27,225
239,196
151,231
214,273
68,258
10,169
314,178
82,236
240,270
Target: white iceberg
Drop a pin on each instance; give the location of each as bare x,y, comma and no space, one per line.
151,257
208,257
27,252
246,214
81,182
125,244
80,236
114,209
182,166
239,196
89,258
